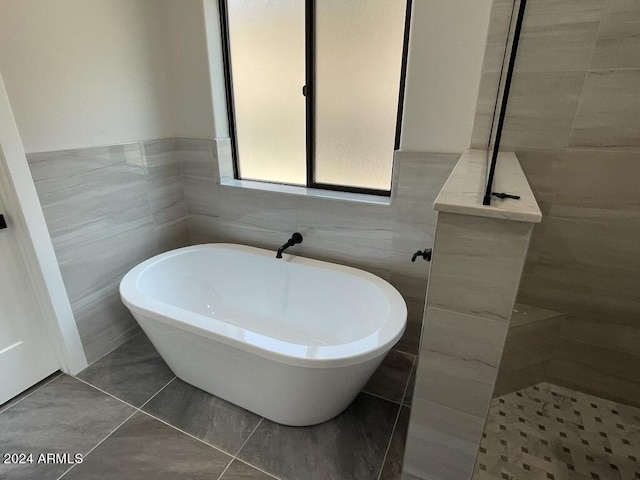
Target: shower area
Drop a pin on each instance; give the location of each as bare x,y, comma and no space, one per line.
566,404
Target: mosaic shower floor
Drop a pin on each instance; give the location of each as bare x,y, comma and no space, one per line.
550,432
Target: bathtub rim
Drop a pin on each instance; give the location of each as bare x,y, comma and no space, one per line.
327,356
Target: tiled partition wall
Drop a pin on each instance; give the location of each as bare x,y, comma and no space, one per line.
475,272
107,209
377,238
573,122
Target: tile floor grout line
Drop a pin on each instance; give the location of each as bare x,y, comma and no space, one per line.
386,452
380,397
157,393
395,424
226,468
99,443
406,387
31,393
235,457
247,439
259,469
106,393
186,433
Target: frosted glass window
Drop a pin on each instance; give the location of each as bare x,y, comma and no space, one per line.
358,67
267,48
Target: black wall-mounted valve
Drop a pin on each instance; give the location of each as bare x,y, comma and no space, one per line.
425,254
3,222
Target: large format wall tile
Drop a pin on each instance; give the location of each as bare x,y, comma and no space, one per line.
541,108
609,109
477,263
459,359
599,186
558,35
619,36
442,442
108,209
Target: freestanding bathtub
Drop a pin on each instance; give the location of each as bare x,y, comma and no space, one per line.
291,339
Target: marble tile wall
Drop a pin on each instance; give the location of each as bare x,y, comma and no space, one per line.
107,209
573,122
529,349
377,238
475,273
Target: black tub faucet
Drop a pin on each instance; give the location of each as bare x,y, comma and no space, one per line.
294,240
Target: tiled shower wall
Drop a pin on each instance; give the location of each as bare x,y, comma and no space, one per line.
573,122
109,208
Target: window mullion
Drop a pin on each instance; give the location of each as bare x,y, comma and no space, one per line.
310,27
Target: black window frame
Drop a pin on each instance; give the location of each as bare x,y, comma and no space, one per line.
309,93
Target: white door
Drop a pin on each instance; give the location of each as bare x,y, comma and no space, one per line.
26,356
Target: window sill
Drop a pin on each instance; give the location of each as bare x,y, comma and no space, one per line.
308,192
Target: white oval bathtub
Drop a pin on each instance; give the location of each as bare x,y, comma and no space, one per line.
291,339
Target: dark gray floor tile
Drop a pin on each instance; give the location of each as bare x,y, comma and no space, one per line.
408,395
133,372
242,471
145,448
392,468
28,391
64,416
203,415
349,447
390,379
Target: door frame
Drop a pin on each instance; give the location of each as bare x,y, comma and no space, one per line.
28,224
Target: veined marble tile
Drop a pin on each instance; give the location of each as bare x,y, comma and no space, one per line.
173,235
609,110
355,233
477,265
542,106
542,167
574,294
200,195
104,325
268,210
197,157
610,332
459,360
166,199
421,175
204,229
91,270
64,163
159,149
618,37
600,186
87,205
568,255
442,442
558,35
589,376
